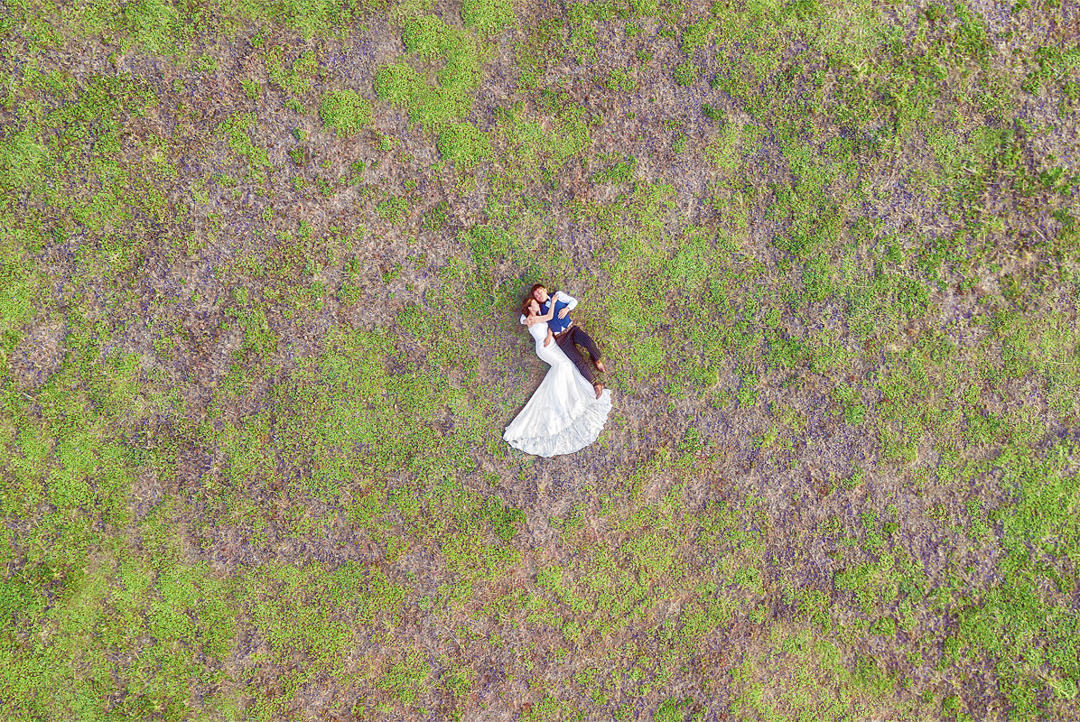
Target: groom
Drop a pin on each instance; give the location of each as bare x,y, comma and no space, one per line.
568,335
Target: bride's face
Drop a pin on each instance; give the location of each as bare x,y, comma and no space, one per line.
534,308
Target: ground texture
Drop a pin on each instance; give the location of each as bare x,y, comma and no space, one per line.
260,265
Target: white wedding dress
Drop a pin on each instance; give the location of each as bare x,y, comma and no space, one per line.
563,415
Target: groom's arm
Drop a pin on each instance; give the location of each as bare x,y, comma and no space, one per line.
570,301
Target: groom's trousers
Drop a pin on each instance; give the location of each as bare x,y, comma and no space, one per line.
569,341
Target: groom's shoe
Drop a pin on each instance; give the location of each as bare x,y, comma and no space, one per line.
600,367
599,389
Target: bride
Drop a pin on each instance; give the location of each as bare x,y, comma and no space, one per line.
564,414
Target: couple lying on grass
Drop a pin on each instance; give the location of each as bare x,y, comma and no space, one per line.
569,408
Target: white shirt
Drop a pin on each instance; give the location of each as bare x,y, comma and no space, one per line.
570,301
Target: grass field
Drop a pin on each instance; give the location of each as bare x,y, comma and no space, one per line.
261,264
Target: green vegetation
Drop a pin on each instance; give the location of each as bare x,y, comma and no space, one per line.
346,111
254,373
463,144
459,55
236,133
487,16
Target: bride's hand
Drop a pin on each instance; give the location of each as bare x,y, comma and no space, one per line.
547,339
530,320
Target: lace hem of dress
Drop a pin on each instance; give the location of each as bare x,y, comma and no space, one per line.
581,432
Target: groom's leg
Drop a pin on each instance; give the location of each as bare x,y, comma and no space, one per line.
566,343
584,339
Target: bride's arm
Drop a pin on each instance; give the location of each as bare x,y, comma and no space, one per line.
530,320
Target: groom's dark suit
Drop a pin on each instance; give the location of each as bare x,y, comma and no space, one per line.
568,335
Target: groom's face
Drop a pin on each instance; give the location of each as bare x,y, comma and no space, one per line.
540,294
